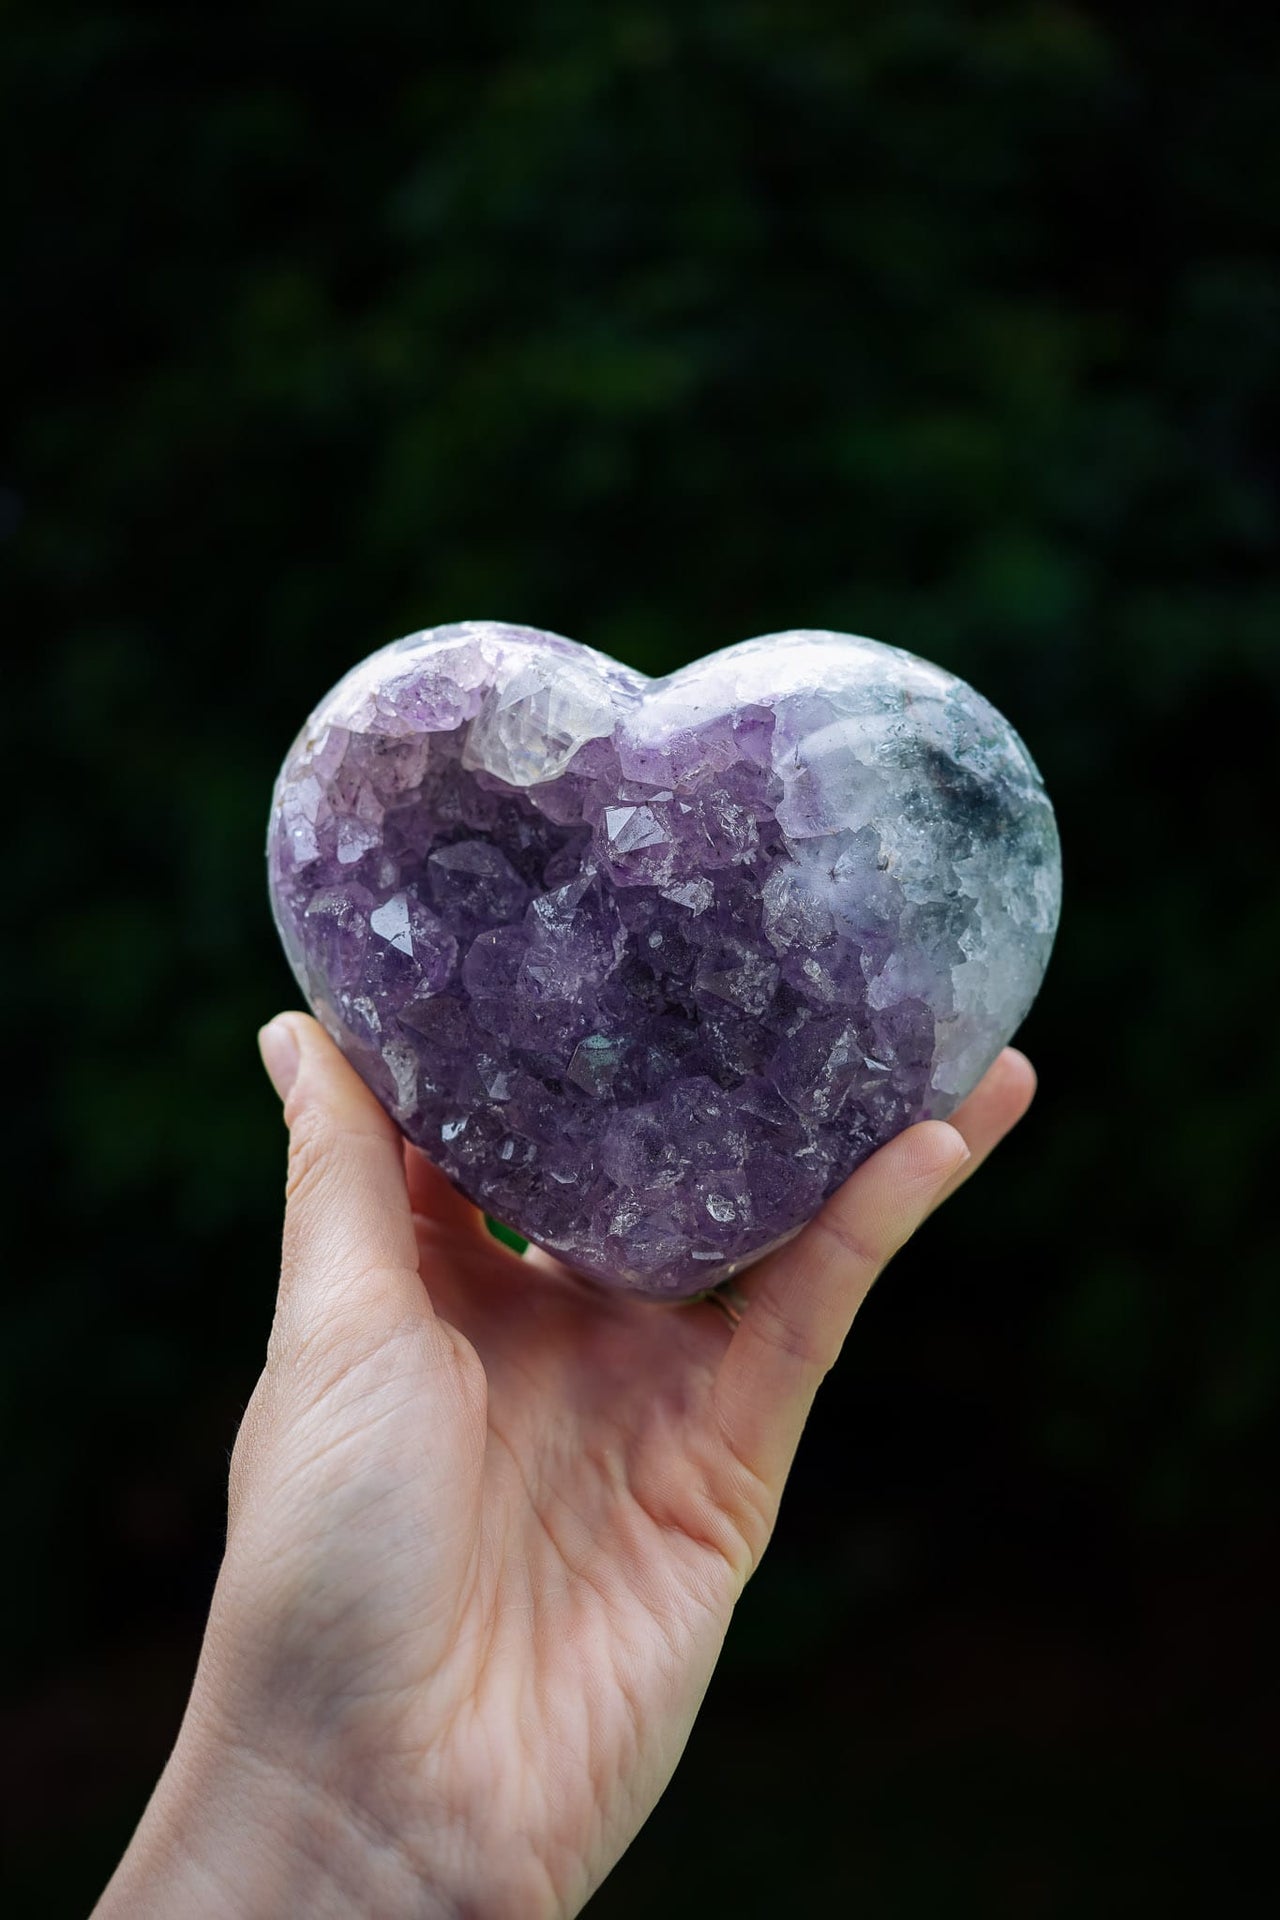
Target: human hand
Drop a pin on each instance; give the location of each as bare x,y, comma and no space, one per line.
487,1529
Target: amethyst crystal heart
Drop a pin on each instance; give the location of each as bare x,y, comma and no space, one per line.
648,967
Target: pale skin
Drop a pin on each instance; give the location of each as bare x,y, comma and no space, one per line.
487,1529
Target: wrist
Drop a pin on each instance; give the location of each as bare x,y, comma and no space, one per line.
227,1836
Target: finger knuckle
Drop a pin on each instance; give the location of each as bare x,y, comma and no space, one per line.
785,1333
314,1146
355,1326
848,1244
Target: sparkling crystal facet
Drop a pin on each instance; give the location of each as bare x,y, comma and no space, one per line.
648,967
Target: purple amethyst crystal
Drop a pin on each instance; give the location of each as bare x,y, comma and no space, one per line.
648,967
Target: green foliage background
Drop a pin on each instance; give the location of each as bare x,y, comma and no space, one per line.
662,325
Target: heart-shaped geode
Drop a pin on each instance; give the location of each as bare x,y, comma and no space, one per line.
648,967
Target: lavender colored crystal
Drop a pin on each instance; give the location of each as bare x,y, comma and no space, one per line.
648,967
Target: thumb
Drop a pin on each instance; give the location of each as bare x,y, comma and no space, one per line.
350,1257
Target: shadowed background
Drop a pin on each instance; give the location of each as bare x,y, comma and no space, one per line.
662,325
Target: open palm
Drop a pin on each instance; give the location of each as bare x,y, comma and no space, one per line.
489,1524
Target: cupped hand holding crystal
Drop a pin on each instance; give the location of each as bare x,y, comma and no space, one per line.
658,973
488,1526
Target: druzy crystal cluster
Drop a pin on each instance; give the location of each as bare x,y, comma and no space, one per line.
648,967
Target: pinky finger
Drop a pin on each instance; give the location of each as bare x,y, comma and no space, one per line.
991,1111
802,1300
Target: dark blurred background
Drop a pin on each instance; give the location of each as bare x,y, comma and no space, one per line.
662,325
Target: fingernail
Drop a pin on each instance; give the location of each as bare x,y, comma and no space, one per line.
279,1050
